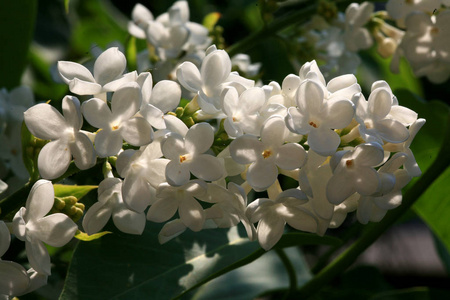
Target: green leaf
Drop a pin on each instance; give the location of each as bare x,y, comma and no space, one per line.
83,236
210,20
16,30
126,266
434,205
78,191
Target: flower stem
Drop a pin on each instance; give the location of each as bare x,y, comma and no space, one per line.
374,231
291,272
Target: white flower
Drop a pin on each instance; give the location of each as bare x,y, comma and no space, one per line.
109,204
140,16
289,88
376,121
392,179
400,9
143,171
410,164
267,154
356,16
242,111
118,123
272,215
187,156
108,74
45,122
208,83
14,279
229,207
181,198
353,171
317,117
31,225
244,65
14,103
426,45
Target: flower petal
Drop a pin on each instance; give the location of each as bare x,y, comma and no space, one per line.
108,142
56,229
137,131
83,152
162,210
177,173
189,76
262,174
191,213
166,95
207,167
246,149
96,217
128,221
269,230
291,156
126,101
14,279
70,70
44,121
38,256
97,113
199,138
109,65
54,159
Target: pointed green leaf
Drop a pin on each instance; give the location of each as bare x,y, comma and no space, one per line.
83,236
127,266
16,30
210,20
78,191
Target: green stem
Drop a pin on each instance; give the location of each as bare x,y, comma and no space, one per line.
374,231
291,272
277,25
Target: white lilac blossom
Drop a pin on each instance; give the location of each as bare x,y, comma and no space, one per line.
410,164
45,122
400,9
32,225
426,45
110,204
355,35
376,123
242,111
143,171
317,117
14,103
187,155
289,88
266,155
208,82
118,123
354,172
272,216
170,199
140,16
107,75
392,180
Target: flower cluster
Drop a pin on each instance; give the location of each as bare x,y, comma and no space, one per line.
421,36
193,164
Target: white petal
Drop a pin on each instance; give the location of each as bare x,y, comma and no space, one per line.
55,230
367,181
162,210
262,174
175,125
128,221
189,76
108,142
392,131
97,113
379,103
166,95
270,229
272,133
44,121
173,147
96,218
137,192
81,87
137,131
340,113
403,114
252,100
191,213
54,159
300,220
207,167
126,101
291,156
323,141
70,70
83,152
171,230
310,97
38,256
72,111
14,279
40,200
341,82
339,188
199,138
177,173
215,69
109,65
246,149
